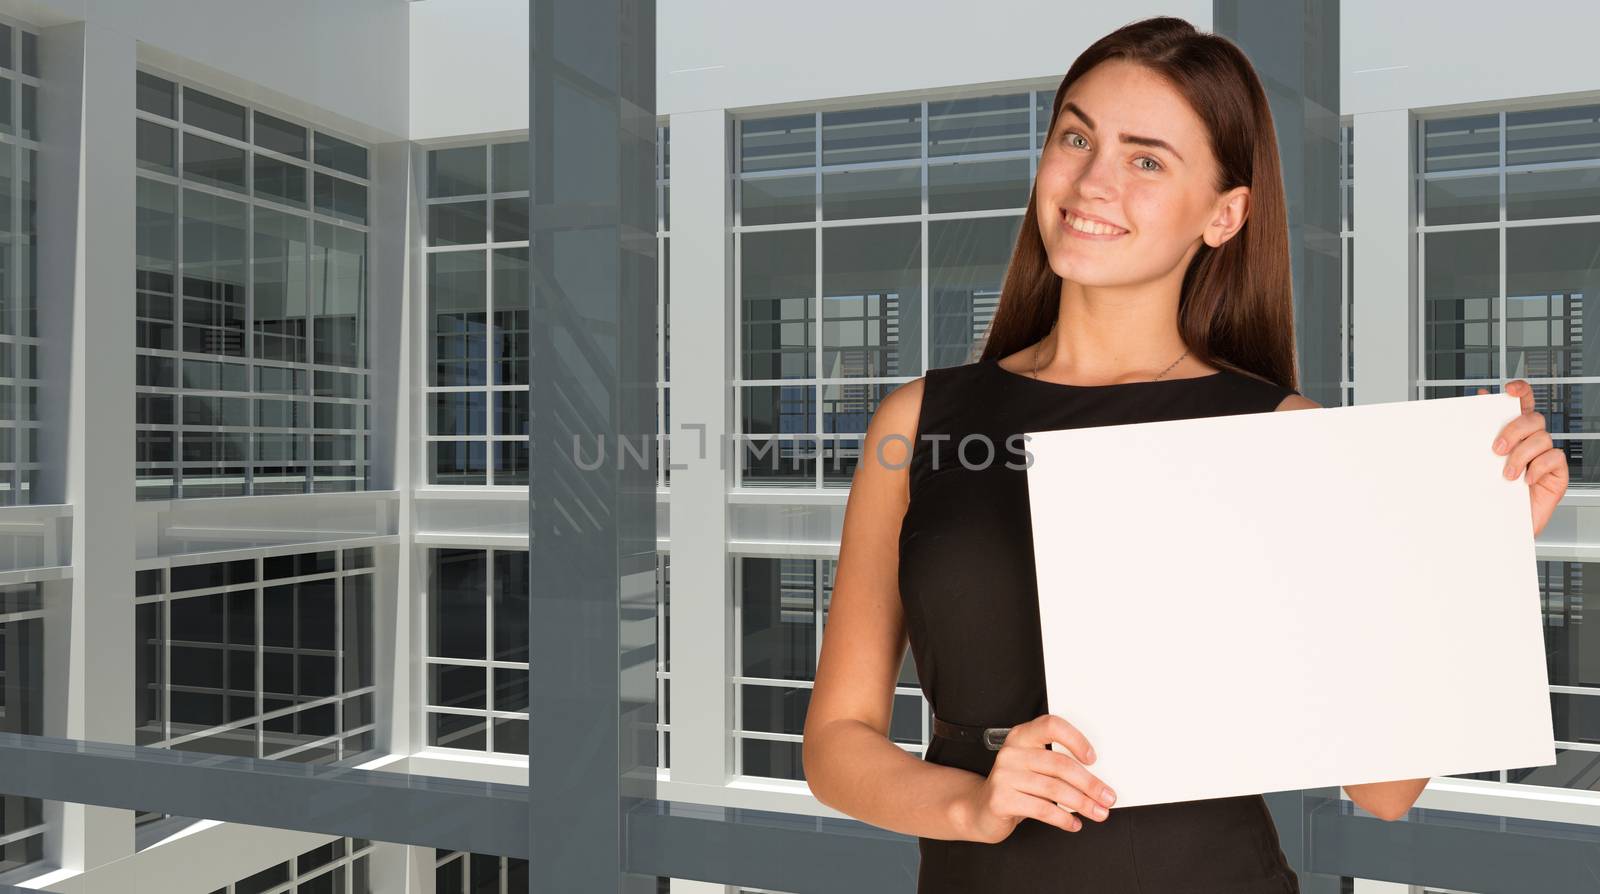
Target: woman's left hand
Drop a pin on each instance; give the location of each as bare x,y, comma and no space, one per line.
1528,448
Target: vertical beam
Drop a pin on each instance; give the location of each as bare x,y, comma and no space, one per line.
1295,50
591,527
391,293
701,268
1384,295
86,302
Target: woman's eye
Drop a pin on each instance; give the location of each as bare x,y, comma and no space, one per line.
1071,134
1155,165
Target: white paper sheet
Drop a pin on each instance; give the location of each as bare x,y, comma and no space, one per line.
1276,601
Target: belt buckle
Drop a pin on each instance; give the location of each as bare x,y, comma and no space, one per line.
995,736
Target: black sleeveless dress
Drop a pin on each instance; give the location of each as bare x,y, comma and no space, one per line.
970,598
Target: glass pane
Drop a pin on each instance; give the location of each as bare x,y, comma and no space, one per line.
217,164
339,297
776,144
778,618
339,155
280,136
457,283
213,113
1536,194
1461,285
778,285
1551,272
458,223
966,264
1549,135
510,166
779,409
282,257
458,172
871,301
777,200
978,186
871,193
1462,200
973,126
156,95
866,135
156,147
280,181
1456,144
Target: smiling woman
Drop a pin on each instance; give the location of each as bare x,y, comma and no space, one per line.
1149,281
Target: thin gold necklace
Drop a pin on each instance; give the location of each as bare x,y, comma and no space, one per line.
1052,332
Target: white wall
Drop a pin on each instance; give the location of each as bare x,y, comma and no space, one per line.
719,54
469,67
1440,53
351,63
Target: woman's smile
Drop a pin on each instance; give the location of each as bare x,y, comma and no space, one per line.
1088,228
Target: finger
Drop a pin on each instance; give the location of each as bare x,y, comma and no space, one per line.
1020,803
1068,796
1059,766
1057,729
1550,464
1523,391
1525,451
1517,429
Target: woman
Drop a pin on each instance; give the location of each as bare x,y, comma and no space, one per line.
1150,281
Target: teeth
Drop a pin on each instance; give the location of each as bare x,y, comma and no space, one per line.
1091,227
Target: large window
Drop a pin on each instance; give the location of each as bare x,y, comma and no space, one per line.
338,867
1510,217
456,872
477,660
477,299
871,246
19,319
21,711
1573,662
252,300
262,657
779,616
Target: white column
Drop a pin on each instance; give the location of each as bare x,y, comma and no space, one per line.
401,869
702,366
87,323
686,886
1368,886
1384,296
392,293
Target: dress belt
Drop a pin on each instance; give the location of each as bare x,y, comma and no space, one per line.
992,737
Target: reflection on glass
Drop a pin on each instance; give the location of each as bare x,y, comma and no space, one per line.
871,301
1457,144
1461,285
777,293
966,265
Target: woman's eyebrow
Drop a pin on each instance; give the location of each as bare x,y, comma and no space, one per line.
1126,138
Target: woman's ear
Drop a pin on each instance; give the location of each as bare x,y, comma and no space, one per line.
1227,216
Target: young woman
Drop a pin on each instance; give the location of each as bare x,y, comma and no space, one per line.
1150,281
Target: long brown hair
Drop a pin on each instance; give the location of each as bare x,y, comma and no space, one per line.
1236,307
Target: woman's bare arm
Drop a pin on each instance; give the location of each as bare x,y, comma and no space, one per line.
850,762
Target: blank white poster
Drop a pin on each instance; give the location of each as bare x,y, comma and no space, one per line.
1276,601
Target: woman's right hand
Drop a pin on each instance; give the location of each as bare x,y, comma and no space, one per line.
1031,780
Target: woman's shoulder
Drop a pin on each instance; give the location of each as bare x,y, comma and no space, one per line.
1263,392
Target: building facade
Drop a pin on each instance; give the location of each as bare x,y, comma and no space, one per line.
304,538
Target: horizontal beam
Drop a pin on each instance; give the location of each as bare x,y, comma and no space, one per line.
426,811
1459,851
765,849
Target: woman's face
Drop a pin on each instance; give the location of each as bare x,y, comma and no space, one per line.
1130,157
